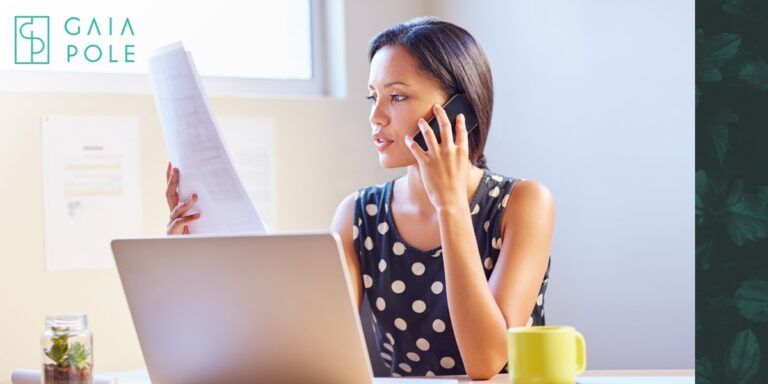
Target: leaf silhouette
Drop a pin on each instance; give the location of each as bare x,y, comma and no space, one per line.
704,254
706,371
755,73
752,300
718,129
743,359
746,218
710,192
712,53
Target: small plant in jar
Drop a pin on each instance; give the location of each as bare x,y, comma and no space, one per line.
68,356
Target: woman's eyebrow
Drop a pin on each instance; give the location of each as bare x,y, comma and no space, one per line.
387,85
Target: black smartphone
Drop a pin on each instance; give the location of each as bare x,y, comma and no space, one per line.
453,107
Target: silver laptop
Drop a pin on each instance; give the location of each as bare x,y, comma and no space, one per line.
244,309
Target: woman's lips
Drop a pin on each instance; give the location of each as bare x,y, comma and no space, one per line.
382,144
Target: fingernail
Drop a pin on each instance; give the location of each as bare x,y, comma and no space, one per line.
461,116
194,196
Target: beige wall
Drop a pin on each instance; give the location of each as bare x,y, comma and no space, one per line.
323,153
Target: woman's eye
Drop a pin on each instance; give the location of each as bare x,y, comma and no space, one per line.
372,98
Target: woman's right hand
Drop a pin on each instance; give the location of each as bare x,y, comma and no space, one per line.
178,224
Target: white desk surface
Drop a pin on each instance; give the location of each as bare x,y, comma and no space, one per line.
673,376
681,376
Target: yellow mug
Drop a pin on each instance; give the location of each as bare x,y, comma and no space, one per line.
545,354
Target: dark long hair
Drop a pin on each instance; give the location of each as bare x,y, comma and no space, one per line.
450,54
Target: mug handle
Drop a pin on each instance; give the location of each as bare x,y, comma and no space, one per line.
581,353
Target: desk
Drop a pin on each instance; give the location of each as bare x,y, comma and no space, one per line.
632,376
594,376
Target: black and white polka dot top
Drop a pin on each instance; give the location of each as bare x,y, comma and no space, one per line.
405,286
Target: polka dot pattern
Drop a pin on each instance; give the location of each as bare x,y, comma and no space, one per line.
381,304
401,324
447,362
383,228
406,286
418,268
398,286
438,325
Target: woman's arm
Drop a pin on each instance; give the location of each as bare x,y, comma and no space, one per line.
342,224
481,311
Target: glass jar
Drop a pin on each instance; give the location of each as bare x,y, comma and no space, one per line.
67,349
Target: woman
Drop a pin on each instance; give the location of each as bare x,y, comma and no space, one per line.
450,255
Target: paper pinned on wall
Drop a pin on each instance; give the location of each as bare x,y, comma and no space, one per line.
91,188
195,146
251,142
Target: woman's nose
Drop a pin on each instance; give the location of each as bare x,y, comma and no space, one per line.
377,117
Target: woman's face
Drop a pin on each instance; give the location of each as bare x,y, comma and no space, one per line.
400,94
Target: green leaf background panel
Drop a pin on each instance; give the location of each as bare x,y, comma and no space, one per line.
731,97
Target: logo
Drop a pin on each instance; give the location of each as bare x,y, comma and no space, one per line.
32,38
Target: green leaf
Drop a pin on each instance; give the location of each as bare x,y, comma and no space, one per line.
709,75
752,300
710,201
746,218
743,359
706,371
77,356
755,73
718,130
57,352
712,53
704,254
762,194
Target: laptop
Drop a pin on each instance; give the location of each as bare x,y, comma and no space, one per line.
245,309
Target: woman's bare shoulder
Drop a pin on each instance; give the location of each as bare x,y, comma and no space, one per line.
529,201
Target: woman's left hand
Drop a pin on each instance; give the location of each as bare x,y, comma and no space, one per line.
444,166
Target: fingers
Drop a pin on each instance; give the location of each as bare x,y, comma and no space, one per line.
182,208
415,148
429,135
446,132
171,191
462,137
168,172
179,225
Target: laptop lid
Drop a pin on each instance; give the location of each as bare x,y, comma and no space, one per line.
243,309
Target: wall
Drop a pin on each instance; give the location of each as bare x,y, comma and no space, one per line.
595,100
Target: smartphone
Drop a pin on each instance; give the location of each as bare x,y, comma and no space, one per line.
453,107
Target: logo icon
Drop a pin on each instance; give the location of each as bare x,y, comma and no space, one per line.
32,38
